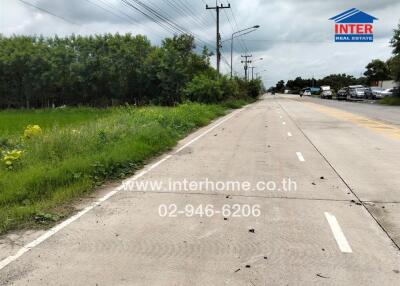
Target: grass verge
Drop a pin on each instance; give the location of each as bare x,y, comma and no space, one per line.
13,121
69,160
392,100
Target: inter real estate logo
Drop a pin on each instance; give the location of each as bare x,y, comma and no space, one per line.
354,26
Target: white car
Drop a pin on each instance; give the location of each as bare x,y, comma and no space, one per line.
358,92
384,93
376,91
307,92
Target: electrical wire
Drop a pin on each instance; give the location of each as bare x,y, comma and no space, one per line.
161,19
48,12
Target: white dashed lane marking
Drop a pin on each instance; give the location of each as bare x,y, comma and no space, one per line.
341,240
300,157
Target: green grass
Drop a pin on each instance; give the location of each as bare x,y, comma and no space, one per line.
13,122
392,100
81,149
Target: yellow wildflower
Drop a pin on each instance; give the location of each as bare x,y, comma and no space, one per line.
32,131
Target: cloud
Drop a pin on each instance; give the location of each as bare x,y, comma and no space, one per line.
295,38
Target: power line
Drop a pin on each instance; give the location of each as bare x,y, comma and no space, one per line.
104,9
160,19
48,12
233,31
187,14
212,15
160,23
119,14
201,16
190,12
241,41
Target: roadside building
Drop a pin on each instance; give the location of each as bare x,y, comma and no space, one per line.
385,84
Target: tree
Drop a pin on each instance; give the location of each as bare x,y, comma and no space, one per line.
377,70
103,70
280,86
394,67
394,62
395,41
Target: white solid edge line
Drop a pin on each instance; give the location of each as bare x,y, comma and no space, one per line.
300,156
57,228
208,130
341,240
289,134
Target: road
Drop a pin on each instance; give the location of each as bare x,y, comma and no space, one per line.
339,223
368,108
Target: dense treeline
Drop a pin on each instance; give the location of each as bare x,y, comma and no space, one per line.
105,70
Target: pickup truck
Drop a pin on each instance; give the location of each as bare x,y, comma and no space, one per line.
326,92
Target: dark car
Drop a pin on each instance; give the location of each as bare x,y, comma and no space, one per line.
368,93
342,94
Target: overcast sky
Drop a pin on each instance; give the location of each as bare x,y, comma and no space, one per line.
295,38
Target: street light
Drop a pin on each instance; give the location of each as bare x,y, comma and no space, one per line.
233,36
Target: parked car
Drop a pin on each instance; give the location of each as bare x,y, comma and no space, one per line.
357,91
342,93
326,92
307,92
373,92
368,93
386,92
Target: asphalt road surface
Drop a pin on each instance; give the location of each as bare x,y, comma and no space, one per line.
330,214
368,108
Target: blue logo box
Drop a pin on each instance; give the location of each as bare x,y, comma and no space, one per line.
343,38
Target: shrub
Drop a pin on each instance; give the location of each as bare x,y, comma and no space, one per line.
230,88
204,89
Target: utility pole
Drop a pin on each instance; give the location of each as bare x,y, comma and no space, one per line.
219,45
252,72
246,65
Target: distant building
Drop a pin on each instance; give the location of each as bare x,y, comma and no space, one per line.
385,84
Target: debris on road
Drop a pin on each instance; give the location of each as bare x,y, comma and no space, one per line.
357,203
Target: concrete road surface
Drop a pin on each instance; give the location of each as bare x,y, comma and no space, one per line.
286,191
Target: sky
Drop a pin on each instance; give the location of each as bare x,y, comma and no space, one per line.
295,38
